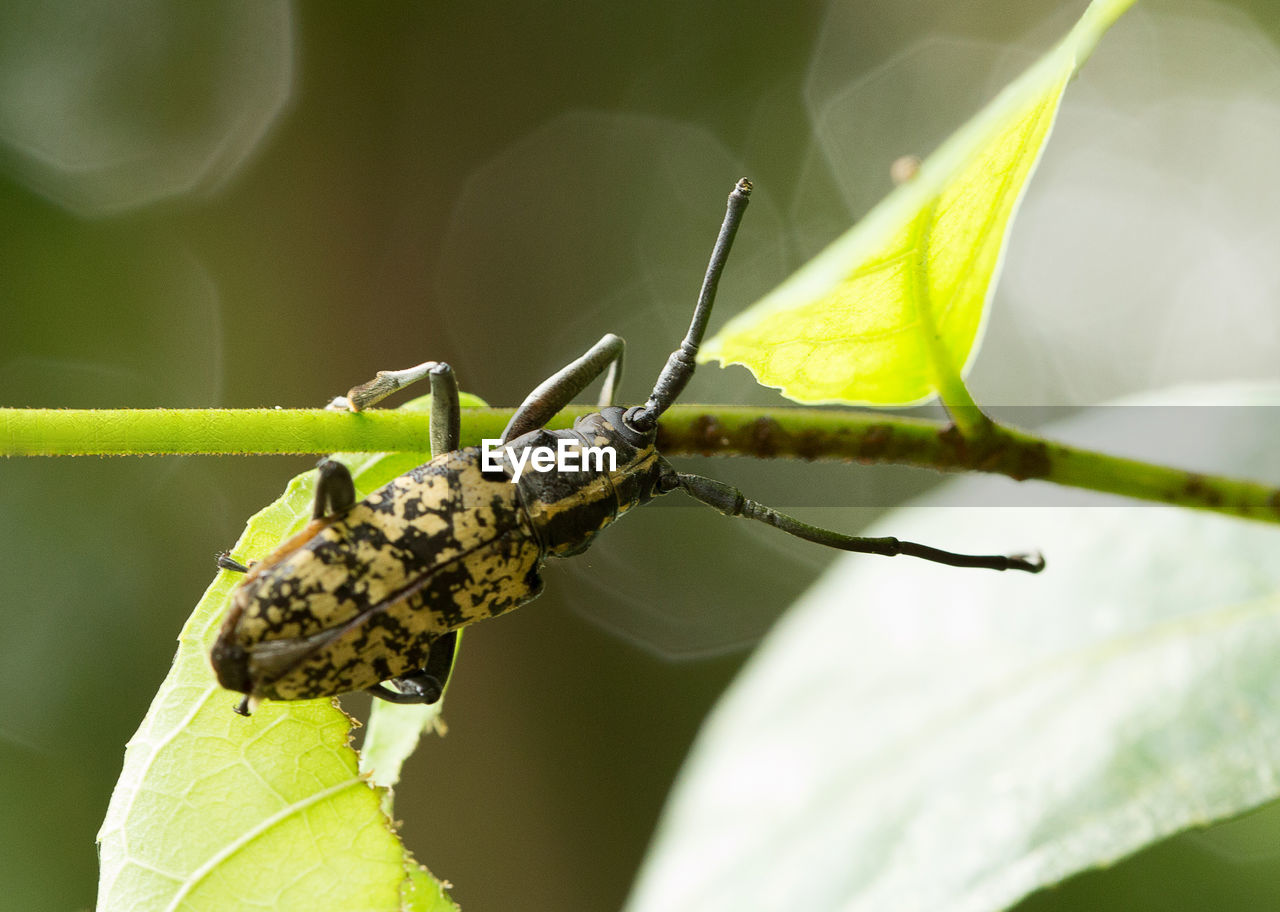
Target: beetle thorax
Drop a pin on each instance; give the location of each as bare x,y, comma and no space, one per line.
567,507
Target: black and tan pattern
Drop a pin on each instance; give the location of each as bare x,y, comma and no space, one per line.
357,599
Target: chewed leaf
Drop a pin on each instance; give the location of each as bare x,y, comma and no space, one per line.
891,312
216,811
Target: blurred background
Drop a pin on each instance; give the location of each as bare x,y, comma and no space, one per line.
259,203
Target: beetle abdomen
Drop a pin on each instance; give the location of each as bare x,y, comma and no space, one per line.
394,638
361,600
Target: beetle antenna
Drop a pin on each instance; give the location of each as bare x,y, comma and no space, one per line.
729,501
681,364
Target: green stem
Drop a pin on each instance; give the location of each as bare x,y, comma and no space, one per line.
968,418
798,433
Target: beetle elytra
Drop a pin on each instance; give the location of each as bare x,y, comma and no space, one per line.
371,594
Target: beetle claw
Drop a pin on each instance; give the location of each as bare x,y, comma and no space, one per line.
421,688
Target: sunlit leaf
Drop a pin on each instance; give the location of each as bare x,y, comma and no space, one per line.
892,311
915,737
216,811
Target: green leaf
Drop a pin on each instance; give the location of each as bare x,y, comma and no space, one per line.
216,811
916,737
891,312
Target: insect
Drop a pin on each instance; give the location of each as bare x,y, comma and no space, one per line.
370,595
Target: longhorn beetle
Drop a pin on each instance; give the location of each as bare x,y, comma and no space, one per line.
371,594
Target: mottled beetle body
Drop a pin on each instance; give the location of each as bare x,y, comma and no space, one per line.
373,593
358,598
362,598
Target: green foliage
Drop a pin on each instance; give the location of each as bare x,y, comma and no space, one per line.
890,313
216,811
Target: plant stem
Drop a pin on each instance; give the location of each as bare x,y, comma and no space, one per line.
796,433
968,418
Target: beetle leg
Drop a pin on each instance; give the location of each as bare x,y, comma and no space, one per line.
335,491
391,695
380,387
445,411
729,501
427,684
558,390
227,562
446,414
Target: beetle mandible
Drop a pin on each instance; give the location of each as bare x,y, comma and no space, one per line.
370,594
